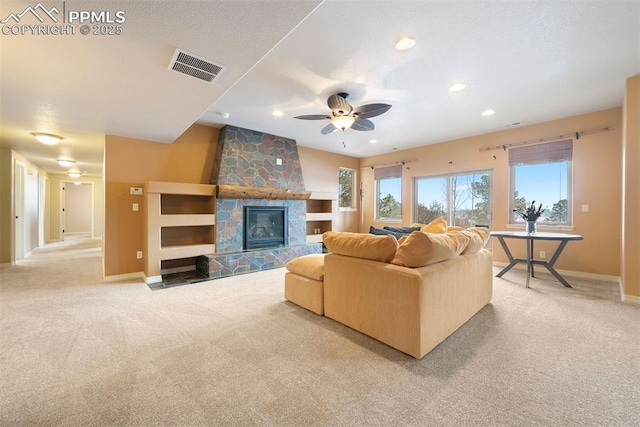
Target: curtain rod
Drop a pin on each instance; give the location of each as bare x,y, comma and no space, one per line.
379,165
575,135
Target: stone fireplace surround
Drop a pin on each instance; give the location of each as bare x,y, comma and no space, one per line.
248,158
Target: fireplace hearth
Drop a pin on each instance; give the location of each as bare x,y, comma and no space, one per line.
265,227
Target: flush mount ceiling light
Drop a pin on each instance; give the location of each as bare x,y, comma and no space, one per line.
488,112
47,138
457,87
373,141
74,174
277,113
66,162
405,43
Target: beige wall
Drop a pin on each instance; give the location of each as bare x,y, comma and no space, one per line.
132,162
631,191
55,199
320,172
31,214
597,181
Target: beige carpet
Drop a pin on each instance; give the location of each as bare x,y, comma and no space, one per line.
75,351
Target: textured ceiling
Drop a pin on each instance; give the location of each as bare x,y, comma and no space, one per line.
529,61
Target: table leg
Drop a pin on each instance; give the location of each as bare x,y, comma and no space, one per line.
512,261
529,263
553,260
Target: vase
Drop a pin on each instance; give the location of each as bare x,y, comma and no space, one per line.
531,227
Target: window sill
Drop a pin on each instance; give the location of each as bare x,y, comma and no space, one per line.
347,209
543,227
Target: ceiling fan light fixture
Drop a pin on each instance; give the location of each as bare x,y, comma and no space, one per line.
47,138
343,122
66,162
405,43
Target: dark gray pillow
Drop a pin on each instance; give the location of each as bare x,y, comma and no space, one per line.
381,232
403,230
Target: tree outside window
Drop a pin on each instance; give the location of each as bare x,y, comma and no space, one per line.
346,189
389,193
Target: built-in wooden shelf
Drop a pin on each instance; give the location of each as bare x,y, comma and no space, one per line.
321,209
180,223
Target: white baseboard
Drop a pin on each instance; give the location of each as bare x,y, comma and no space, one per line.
152,279
630,298
582,274
127,276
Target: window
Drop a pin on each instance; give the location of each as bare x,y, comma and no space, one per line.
389,193
542,173
464,199
346,189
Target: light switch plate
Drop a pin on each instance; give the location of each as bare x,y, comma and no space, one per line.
585,208
136,207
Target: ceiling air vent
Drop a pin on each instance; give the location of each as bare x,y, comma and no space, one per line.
195,66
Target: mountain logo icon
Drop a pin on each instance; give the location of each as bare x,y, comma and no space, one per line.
38,11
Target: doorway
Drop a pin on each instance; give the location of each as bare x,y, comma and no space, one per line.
77,208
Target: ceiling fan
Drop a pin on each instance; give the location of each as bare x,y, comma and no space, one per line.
344,116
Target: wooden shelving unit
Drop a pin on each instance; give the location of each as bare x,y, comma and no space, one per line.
321,208
180,223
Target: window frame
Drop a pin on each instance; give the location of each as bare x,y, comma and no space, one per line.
552,226
450,213
353,190
386,176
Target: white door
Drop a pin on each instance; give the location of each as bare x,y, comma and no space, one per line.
18,203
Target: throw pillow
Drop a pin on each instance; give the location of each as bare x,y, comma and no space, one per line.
367,246
419,249
383,232
403,230
311,266
438,225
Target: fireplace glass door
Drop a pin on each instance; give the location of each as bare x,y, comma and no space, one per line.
265,227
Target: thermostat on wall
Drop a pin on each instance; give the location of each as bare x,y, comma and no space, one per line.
135,190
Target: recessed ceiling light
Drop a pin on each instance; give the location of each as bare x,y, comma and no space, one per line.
74,174
488,113
373,141
47,138
66,162
405,43
456,87
277,113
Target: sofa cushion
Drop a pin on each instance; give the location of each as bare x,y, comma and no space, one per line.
419,248
367,246
438,225
310,266
478,237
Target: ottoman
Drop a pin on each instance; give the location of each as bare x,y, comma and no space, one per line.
304,282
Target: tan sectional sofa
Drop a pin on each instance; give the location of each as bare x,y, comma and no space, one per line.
369,287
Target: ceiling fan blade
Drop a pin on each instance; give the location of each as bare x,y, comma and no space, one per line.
313,117
339,105
362,125
371,110
328,129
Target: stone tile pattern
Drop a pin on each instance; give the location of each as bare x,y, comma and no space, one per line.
248,158
216,266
